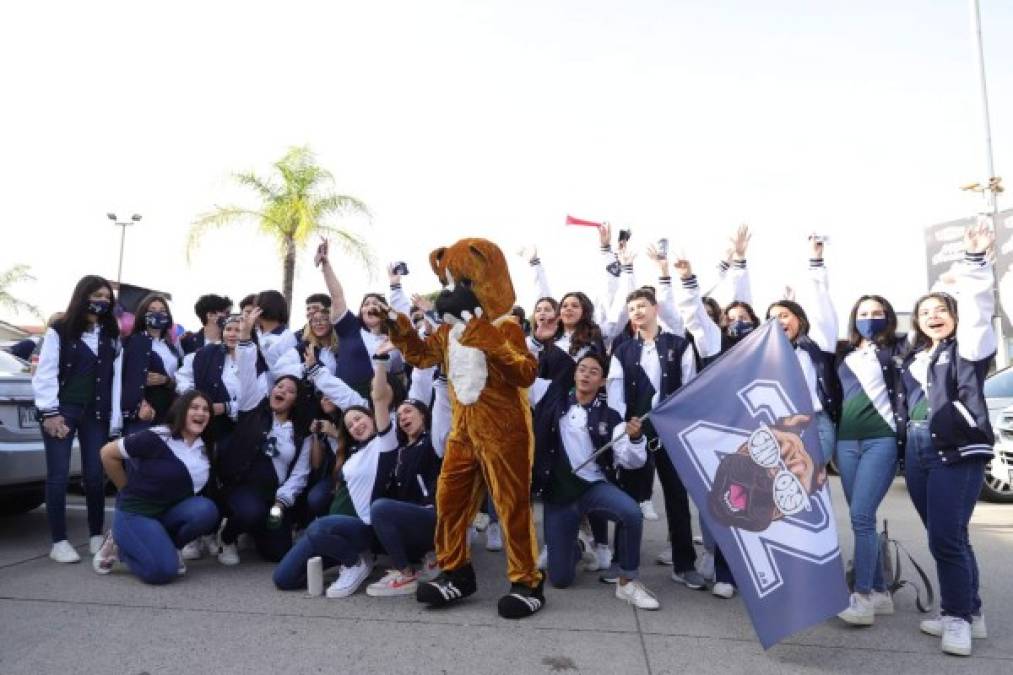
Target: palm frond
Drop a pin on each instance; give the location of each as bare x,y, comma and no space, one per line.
220,217
15,274
339,204
267,190
350,244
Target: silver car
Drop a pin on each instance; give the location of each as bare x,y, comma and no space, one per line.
999,474
22,454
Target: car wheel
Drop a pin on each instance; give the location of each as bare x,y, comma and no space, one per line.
998,485
12,505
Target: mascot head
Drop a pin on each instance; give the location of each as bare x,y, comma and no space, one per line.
474,274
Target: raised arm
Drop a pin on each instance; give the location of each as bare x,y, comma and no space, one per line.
338,304
380,390
822,315
706,334
398,298
668,312
541,281
976,339
246,365
329,385
618,317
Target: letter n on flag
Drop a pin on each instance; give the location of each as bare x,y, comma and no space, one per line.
742,437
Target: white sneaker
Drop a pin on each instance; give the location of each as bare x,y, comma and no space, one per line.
351,578
107,556
637,595
210,543
63,552
603,554
394,582
956,636
181,568
493,537
229,555
882,602
860,611
430,568
647,508
723,590
543,558
95,543
705,565
665,557
192,550
979,631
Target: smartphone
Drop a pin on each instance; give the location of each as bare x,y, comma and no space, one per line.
624,236
400,268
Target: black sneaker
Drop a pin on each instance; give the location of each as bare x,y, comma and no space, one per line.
522,601
448,587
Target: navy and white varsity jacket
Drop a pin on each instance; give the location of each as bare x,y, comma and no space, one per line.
75,372
945,385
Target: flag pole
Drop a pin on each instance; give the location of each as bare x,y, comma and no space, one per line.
990,187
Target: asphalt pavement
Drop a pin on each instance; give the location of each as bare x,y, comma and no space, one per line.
64,618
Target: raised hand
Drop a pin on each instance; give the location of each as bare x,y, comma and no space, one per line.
654,254
247,322
740,242
682,266
625,255
385,347
605,234
978,237
422,303
393,276
545,331
817,247
321,255
309,357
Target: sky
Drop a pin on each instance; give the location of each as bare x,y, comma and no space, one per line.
449,118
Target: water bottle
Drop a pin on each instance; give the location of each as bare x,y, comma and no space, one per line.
274,518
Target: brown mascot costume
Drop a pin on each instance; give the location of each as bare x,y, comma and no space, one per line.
481,349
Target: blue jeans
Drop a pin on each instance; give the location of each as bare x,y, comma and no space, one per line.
319,498
722,572
339,540
944,494
149,545
828,435
91,436
563,520
247,511
406,531
867,468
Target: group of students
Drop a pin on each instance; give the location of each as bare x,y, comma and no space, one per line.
325,442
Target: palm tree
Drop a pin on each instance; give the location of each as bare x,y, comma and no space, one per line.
295,203
10,277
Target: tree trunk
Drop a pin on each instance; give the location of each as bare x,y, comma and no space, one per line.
288,271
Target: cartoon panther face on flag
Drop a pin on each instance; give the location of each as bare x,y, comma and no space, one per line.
770,476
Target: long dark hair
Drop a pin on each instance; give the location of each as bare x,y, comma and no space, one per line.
796,309
302,412
586,333
887,337
423,409
349,443
142,308
177,415
377,296
921,340
75,318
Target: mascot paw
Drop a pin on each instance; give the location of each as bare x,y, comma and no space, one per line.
522,601
448,587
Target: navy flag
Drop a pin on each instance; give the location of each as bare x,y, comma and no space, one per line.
743,439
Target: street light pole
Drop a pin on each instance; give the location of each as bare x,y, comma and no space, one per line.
136,218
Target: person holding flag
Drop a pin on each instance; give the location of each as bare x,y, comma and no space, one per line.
643,371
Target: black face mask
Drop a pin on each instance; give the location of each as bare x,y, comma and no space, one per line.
99,307
159,320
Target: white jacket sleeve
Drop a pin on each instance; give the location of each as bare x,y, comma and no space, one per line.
537,390
626,453
614,391
184,376
821,312
541,281
706,334
399,301
609,262
618,316
250,390
116,414
288,363
688,365
46,380
421,388
976,339
334,388
293,486
668,311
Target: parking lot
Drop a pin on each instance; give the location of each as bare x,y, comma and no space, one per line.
64,618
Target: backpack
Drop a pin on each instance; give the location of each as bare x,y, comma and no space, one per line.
890,554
